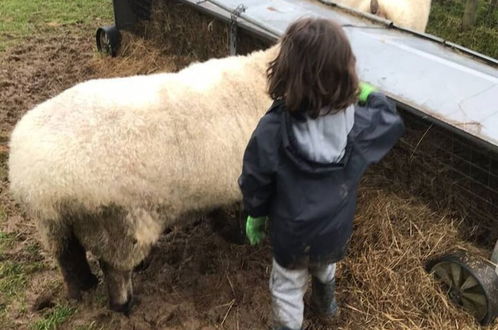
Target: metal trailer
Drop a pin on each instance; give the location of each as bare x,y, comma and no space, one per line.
438,83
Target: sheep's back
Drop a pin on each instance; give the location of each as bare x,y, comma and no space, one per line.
410,14
170,139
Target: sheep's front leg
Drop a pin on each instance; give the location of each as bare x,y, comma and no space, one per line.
75,269
119,288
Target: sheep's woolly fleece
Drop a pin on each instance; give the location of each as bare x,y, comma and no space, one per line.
411,14
131,147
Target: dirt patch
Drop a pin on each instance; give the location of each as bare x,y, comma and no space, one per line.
176,28
44,66
195,279
39,69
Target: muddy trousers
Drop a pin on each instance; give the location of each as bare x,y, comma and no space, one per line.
287,289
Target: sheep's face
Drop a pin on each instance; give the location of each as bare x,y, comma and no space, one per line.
119,288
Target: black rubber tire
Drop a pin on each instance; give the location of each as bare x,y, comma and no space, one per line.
108,40
472,283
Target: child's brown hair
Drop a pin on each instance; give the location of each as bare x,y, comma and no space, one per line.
315,68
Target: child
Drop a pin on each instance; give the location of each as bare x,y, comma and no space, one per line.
305,159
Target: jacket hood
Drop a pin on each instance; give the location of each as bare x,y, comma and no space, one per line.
321,144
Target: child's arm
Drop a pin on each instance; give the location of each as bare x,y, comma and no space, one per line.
379,124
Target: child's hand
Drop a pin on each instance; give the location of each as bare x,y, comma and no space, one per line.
255,229
365,90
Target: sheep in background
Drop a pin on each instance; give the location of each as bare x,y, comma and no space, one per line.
411,14
108,164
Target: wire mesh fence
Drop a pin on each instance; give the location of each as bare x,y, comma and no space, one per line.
450,171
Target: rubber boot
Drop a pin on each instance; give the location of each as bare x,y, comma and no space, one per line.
323,298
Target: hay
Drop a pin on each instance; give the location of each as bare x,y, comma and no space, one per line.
136,56
175,36
176,28
180,30
382,283
449,173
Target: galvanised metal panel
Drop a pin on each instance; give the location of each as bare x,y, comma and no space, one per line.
453,87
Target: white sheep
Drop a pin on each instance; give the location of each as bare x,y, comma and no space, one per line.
411,14
106,165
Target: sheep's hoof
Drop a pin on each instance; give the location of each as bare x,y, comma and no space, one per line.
74,289
230,228
125,308
89,283
74,292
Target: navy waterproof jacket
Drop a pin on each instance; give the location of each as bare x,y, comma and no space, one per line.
312,205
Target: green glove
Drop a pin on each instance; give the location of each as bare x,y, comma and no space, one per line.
255,229
365,90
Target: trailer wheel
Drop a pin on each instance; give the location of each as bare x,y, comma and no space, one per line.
108,40
472,283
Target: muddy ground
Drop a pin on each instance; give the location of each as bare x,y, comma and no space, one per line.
196,279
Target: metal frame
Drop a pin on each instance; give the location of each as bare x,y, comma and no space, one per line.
454,166
124,16
471,64
233,28
390,24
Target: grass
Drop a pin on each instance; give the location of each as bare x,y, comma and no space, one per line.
20,18
13,280
14,276
58,315
33,250
446,19
5,239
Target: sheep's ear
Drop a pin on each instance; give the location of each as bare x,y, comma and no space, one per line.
374,6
